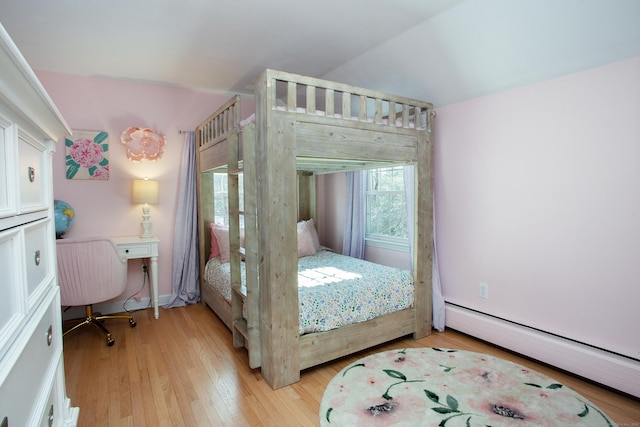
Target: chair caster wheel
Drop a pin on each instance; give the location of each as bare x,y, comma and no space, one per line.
110,342
132,323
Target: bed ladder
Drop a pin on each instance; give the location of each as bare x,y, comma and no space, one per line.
246,331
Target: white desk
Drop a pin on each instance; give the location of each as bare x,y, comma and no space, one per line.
134,247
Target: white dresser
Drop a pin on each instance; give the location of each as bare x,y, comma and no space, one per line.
32,385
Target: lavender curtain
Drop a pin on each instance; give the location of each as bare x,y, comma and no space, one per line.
354,224
186,264
438,299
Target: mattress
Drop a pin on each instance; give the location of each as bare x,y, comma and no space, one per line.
334,290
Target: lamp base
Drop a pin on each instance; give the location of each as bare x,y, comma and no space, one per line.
146,230
146,224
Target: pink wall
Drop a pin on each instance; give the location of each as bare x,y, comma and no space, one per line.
104,207
537,195
330,196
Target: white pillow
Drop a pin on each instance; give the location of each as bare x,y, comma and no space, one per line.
313,233
305,241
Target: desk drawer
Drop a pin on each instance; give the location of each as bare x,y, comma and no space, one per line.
135,251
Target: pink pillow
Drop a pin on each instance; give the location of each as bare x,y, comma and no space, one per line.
222,236
313,233
215,250
305,242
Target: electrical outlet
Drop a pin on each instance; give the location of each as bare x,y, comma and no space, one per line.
484,290
144,268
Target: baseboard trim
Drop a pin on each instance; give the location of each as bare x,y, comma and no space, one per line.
609,369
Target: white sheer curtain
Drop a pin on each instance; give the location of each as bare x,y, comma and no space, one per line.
186,263
354,224
438,299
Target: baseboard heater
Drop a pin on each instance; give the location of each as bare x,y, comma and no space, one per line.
610,369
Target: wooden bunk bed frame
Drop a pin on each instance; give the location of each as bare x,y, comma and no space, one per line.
339,128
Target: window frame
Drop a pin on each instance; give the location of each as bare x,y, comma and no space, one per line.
221,192
394,243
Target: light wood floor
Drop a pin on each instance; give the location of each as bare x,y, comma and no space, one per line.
182,370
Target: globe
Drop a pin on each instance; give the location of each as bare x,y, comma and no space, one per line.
63,214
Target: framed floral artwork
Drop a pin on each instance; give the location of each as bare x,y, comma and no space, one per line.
87,155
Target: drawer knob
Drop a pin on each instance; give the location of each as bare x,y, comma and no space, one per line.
32,174
51,416
36,257
49,335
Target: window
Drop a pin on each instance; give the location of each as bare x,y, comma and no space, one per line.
221,198
386,218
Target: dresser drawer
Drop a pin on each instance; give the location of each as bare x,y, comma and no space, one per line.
7,168
12,302
32,174
28,385
38,258
51,409
51,414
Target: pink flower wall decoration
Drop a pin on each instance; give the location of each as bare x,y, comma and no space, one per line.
143,143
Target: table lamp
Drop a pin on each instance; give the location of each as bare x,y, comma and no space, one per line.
145,191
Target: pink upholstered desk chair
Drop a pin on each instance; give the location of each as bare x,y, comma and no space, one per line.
91,271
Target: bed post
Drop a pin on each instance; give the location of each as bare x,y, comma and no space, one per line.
306,196
277,217
423,232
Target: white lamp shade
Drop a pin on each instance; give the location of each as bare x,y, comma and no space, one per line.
144,191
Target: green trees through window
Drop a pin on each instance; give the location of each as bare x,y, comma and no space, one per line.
386,219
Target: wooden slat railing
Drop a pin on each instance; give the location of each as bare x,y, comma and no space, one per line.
219,124
322,98
334,100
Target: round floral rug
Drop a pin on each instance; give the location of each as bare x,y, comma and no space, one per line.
442,387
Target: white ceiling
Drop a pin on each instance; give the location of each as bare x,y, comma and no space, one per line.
441,51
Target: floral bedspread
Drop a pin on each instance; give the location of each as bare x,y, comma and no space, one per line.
335,290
